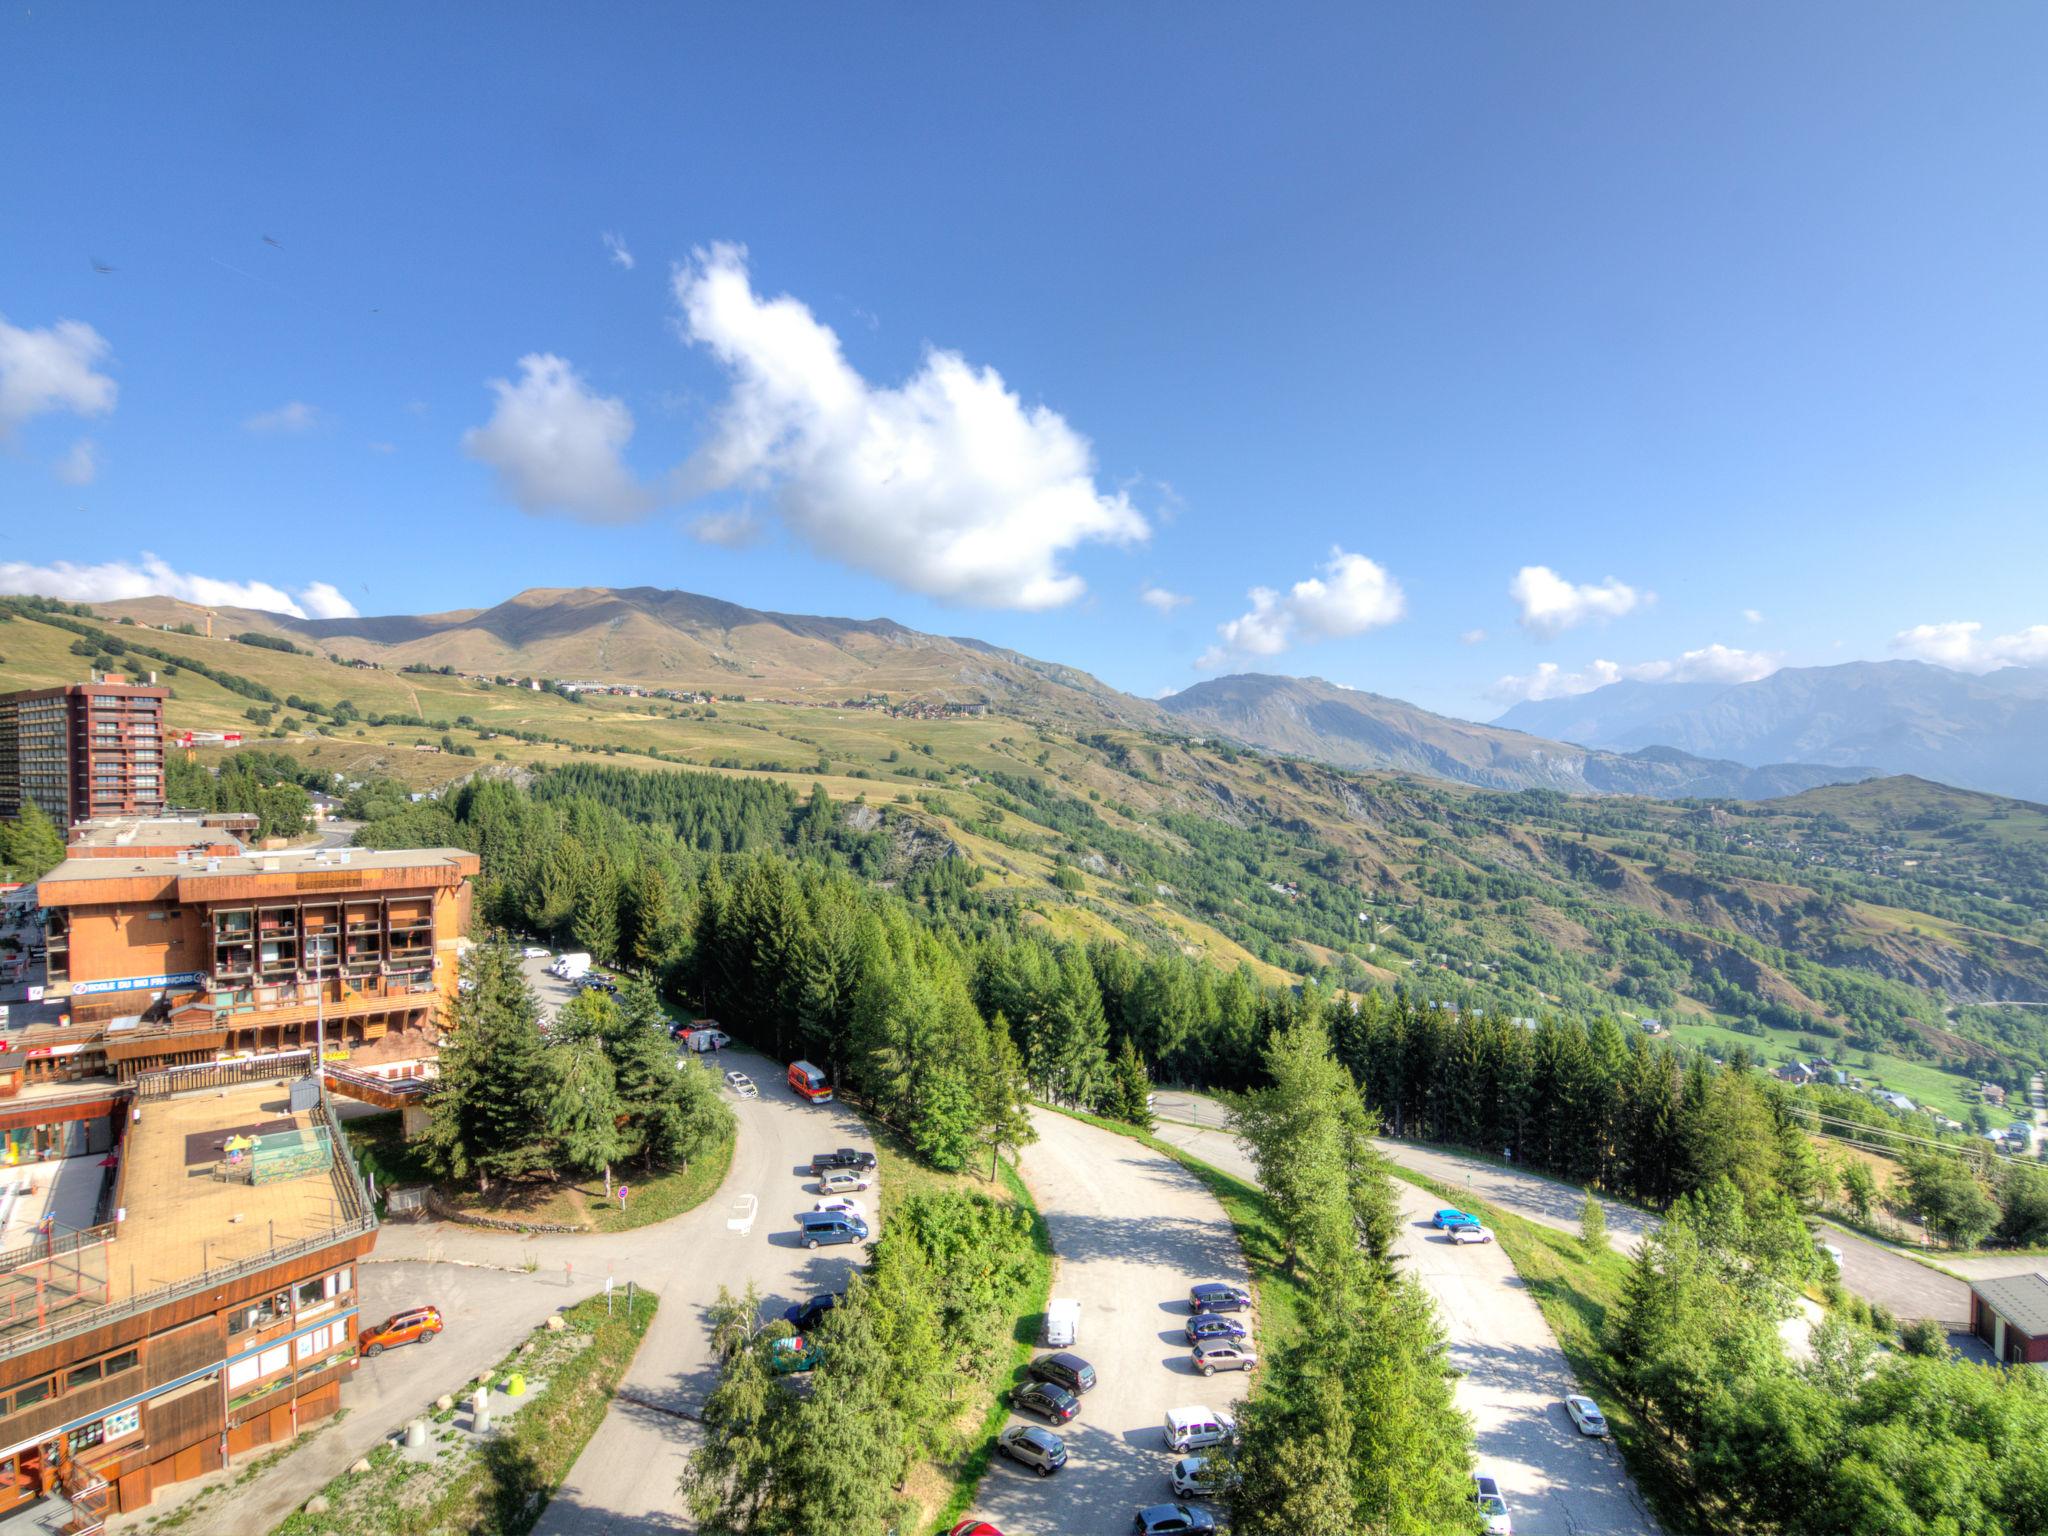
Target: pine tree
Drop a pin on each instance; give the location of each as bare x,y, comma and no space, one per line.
489,1114
1127,1089
584,1108
1006,1108
31,843
596,922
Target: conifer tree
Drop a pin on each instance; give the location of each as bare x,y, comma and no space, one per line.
489,1114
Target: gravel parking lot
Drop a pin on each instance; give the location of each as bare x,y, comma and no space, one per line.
1133,1231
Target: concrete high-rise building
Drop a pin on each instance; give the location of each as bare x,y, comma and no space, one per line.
83,750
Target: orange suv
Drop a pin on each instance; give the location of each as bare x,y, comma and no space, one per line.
416,1326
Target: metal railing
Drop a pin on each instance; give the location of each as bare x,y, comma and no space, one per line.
274,1066
54,1246
207,1279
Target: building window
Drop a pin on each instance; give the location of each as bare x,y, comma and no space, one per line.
82,1376
126,1360
88,1435
30,1393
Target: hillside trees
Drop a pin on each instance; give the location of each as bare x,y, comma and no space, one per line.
30,844
1353,1428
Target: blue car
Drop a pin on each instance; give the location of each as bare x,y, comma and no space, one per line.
1211,1327
1217,1296
1446,1220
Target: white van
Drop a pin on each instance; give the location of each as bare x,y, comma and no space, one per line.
1062,1322
1196,1428
570,967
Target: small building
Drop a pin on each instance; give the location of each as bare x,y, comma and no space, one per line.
2011,1315
1991,1093
1894,1101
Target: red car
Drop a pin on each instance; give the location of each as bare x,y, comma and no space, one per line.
974,1528
415,1325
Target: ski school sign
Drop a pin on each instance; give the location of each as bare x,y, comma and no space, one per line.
138,983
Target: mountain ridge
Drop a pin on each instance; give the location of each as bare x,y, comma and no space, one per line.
1986,732
661,637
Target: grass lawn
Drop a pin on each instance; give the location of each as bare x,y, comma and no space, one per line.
500,1486
382,1149
1947,1092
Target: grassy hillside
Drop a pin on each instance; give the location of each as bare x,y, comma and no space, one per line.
1896,918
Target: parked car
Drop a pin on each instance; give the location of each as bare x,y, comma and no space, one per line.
534,952
707,1039
1051,1402
1493,1506
845,1157
1448,1218
806,1315
974,1528
1219,1296
838,1181
815,1227
1472,1234
1209,1326
1039,1449
1213,1355
1063,1369
845,1204
1834,1254
793,1356
1587,1415
1203,1477
1196,1428
415,1325
742,1085
1164,1519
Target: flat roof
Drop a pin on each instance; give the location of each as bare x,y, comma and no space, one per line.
183,1217
149,831
297,861
2022,1300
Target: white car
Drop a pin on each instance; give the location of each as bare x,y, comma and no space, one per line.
846,1205
1493,1508
740,1084
1202,1477
744,1210
707,1039
1470,1235
535,952
1587,1415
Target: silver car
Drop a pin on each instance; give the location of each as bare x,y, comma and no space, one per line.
1030,1446
1587,1415
1213,1355
1203,1477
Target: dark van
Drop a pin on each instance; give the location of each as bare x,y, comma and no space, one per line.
831,1227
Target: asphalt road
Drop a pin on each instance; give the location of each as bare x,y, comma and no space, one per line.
1909,1288
1547,1201
1515,1378
1133,1230
490,1312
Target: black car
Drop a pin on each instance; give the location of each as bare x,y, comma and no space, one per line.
807,1315
1063,1369
845,1157
1055,1404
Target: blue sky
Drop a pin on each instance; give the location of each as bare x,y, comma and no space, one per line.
1619,334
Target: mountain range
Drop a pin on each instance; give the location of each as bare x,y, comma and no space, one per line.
652,636
1986,732
1350,728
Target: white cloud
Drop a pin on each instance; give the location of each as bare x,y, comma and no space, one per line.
1709,664
616,245
1473,637
1161,600
1551,605
728,530
1352,595
292,416
557,446
322,600
1753,615
947,484
52,369
152,577
81,465
1963,645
